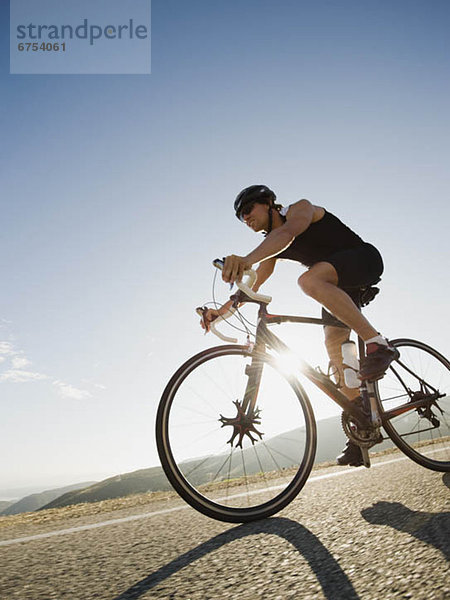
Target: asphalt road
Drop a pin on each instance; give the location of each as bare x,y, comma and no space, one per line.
382,534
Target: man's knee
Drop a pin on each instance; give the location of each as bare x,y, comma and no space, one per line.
308,283
312,281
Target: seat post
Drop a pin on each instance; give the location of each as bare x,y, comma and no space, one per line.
361,344
361,348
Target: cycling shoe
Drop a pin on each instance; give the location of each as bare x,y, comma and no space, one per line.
351,455
378,359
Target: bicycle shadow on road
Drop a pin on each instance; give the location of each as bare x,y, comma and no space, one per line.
335,583
446,479
431,528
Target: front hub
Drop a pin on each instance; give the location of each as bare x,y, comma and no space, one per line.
243,425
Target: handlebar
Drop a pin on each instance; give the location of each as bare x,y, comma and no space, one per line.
244,287
213,324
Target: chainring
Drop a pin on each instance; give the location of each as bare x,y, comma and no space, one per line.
364,438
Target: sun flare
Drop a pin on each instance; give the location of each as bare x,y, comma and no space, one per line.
288,363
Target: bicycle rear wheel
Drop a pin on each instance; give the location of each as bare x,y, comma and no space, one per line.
195,423
414,397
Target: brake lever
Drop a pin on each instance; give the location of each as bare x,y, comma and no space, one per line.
201,311
219,264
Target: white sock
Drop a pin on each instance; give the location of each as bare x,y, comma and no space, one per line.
378,339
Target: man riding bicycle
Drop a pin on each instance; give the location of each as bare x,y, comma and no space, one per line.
339,263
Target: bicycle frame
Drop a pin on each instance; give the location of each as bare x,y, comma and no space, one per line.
267,339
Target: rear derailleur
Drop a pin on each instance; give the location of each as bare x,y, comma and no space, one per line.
425,412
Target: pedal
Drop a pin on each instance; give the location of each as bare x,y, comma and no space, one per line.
366,459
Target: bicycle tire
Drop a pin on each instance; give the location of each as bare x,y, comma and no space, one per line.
419,370
194,492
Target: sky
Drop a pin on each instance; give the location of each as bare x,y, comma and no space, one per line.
117,194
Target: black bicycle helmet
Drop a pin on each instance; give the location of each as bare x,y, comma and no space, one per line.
253,193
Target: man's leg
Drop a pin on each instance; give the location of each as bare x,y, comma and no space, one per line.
320,282
334,338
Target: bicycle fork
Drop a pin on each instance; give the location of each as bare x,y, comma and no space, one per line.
248,414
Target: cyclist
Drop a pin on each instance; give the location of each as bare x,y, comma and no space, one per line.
339,263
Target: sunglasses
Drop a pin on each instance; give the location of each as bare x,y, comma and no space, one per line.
246,210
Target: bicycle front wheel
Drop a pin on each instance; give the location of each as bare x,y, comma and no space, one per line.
239,479
414,397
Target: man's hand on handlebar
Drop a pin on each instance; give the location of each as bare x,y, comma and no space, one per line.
234,268
211,314
208,317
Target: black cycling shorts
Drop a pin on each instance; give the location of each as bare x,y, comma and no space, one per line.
356,268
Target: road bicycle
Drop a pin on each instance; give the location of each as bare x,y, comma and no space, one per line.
236,432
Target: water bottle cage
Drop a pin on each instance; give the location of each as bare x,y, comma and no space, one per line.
333,373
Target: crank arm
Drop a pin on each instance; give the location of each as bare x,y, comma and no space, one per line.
366,459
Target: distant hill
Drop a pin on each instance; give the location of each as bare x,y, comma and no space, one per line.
5,503
36,501
144,480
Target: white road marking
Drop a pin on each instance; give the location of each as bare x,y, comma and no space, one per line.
165,511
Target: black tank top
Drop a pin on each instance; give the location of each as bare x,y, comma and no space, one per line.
320,240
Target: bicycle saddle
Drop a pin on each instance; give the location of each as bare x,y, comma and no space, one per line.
367,293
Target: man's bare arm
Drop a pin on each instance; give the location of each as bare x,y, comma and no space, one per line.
263,272
298,219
